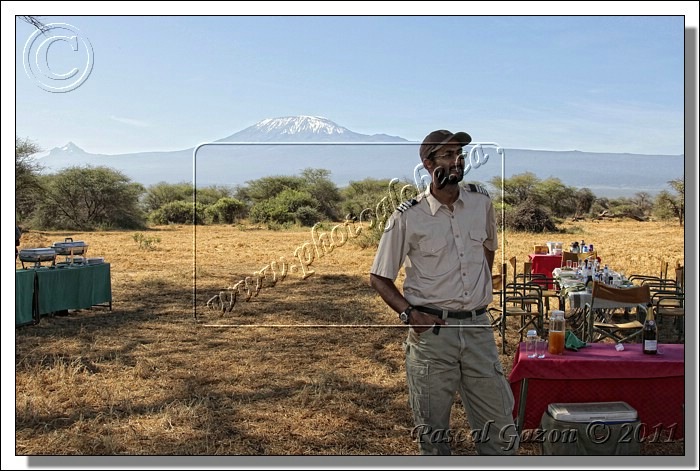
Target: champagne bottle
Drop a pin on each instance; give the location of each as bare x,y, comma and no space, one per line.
650,334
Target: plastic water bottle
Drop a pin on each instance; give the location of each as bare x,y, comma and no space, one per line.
531,343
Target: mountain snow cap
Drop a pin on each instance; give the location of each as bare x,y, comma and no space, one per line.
291,125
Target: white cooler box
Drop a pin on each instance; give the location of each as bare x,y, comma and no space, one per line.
590,428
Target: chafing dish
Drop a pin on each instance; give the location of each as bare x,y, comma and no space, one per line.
69,247
36,256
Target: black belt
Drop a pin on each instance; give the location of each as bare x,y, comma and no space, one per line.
453,314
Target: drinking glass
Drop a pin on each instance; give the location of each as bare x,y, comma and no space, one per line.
541,348
568,264
531,346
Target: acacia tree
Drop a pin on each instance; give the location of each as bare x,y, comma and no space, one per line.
263,195
584,198
162,193
643,202
558,197
518,188
326,193
668,205
364,195
87,198
28,189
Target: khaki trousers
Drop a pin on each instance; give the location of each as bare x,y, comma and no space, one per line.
464,359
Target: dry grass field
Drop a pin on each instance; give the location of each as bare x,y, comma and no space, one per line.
309,366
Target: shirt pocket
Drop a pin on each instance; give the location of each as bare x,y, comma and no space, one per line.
434,259
476,245
477,236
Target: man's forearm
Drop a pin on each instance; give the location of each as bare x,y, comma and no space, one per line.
388,291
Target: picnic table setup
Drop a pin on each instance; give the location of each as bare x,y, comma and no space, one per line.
44,286
604,362
654,385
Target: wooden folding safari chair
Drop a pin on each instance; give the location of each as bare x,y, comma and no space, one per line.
608,313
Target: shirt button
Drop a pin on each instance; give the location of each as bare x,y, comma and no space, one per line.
457,236
461,255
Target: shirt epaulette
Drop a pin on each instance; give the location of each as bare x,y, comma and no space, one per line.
476,189
406,204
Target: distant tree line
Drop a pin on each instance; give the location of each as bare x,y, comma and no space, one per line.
532,204
92,198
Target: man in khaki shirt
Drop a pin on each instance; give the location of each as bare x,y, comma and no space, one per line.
446,240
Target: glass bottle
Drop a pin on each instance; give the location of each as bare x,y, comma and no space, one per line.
557,331
650,334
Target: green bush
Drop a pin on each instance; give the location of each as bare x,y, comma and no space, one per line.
146,242
307,216
225,211
178,212
528,217
282,208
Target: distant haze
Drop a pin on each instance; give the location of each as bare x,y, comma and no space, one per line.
287,145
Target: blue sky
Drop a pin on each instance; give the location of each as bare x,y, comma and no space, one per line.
592,83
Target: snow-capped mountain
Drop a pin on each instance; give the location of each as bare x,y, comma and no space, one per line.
303,129
69,148
315,142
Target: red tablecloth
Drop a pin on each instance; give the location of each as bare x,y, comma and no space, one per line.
652,384
545,265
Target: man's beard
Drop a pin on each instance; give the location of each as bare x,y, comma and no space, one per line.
442,178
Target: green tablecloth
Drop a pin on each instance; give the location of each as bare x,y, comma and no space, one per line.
58,289
24,293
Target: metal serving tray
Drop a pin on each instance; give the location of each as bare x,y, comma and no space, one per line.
70,247
36,256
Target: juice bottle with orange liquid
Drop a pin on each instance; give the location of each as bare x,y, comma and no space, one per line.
557,329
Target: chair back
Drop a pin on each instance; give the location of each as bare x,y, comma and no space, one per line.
514,264
498,280
528,292
670,304
573,256
680,277
496,312
527,274
608,302
587,255
607,296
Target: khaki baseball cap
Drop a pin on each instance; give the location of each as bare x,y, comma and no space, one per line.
436,139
